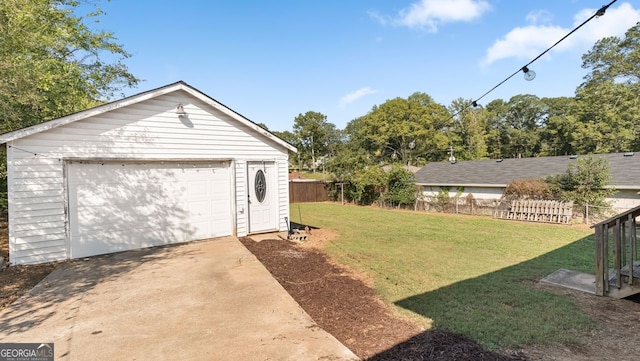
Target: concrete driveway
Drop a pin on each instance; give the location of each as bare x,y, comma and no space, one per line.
209,300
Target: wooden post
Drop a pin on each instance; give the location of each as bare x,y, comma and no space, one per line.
586,213
629,223
617,253
600,263
633,239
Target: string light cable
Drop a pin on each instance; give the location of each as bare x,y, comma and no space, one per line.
529,74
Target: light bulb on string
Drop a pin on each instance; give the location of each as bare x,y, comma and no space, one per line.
529,74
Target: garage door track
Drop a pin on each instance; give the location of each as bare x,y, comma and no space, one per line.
208,300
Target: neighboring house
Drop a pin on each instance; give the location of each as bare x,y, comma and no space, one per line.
165,166
487,179
409,168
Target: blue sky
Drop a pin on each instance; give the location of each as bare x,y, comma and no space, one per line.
272,60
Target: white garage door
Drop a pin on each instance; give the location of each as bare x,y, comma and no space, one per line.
117,207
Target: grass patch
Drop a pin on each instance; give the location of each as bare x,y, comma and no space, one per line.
472,275
318,175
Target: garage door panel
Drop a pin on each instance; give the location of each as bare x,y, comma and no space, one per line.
123,240
106,218
114,207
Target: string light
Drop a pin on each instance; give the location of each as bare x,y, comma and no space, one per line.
528,73
35,154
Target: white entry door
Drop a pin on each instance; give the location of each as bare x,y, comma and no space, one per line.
263,193
121,206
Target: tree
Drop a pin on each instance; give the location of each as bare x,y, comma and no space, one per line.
316,135
527,189
608,99
469,130
611,125
557,135
52,64
584,182
401,186
525,117
369,184
613,58
401,129
290,138
497,129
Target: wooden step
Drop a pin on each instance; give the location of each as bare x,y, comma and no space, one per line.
625,289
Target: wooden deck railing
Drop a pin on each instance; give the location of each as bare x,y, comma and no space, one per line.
617,254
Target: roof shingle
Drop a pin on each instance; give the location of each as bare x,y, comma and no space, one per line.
625,170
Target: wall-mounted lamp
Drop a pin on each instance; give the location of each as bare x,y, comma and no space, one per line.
180,110
529,74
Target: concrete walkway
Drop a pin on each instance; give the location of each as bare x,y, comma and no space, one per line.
209,300
572,279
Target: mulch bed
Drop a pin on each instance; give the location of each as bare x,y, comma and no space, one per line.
352,312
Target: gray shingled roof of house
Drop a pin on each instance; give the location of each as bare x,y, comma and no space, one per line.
625,171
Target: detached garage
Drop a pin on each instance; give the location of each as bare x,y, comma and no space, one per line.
166,166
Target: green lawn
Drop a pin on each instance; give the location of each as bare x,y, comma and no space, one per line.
472,275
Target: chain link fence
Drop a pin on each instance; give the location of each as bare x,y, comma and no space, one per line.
589,214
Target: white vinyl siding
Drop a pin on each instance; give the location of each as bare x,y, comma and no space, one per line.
147,130
242,206
477,192
283,191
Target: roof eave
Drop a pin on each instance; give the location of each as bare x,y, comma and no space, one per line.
484,185
237,116
100,109
489,185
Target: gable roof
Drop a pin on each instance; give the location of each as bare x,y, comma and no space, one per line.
177,86
625,171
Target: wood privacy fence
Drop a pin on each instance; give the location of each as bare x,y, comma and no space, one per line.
538,211
308,191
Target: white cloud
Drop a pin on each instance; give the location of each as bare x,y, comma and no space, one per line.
353,96
539,17
429,14
615,22
524,43
383,20
529,41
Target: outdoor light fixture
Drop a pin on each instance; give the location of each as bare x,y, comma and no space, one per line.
529,75
452,158
474,104
602,11
180,110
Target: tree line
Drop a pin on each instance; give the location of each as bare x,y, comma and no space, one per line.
602,117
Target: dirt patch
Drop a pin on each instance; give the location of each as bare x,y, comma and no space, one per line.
617,336
18,280
351,311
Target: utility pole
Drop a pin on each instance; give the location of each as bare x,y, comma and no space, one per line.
313,155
